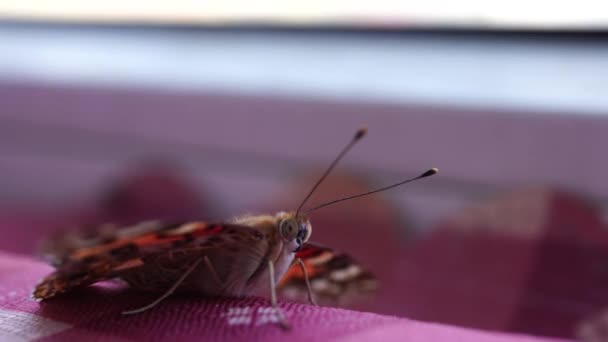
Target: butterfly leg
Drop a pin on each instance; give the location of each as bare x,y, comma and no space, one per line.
311,299
166,294
273,298
214,274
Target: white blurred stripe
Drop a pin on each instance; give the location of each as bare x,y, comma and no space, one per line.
540,13
521,74
21,326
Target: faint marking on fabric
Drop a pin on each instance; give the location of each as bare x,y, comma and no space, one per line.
11,294
238,316
22,326
245,316
266,315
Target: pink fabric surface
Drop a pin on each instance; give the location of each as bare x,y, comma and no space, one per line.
93,314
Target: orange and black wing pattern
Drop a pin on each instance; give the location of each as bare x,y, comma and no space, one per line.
335,278
100,259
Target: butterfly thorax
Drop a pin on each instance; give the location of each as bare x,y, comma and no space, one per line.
281,249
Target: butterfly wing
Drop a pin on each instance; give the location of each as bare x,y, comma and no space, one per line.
132,249
335,278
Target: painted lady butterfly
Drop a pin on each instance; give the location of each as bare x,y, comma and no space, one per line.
246,256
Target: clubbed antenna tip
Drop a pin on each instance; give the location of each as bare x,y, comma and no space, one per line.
361,133
429,172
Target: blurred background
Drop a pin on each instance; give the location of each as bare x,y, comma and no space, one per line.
124,111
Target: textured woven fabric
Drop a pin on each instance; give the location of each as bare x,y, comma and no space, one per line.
94,314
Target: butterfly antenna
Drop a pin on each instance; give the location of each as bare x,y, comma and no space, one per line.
360,134
426,174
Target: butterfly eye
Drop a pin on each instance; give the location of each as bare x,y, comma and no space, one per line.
288,229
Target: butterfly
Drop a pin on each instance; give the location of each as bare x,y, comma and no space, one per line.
253,255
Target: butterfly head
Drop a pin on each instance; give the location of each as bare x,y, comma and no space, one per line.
294,230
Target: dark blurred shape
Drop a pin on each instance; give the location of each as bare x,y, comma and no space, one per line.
532,261
148,191
154,190
594,328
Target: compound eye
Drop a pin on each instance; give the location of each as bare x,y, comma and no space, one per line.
288,229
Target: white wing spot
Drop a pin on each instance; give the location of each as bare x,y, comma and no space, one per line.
345,274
